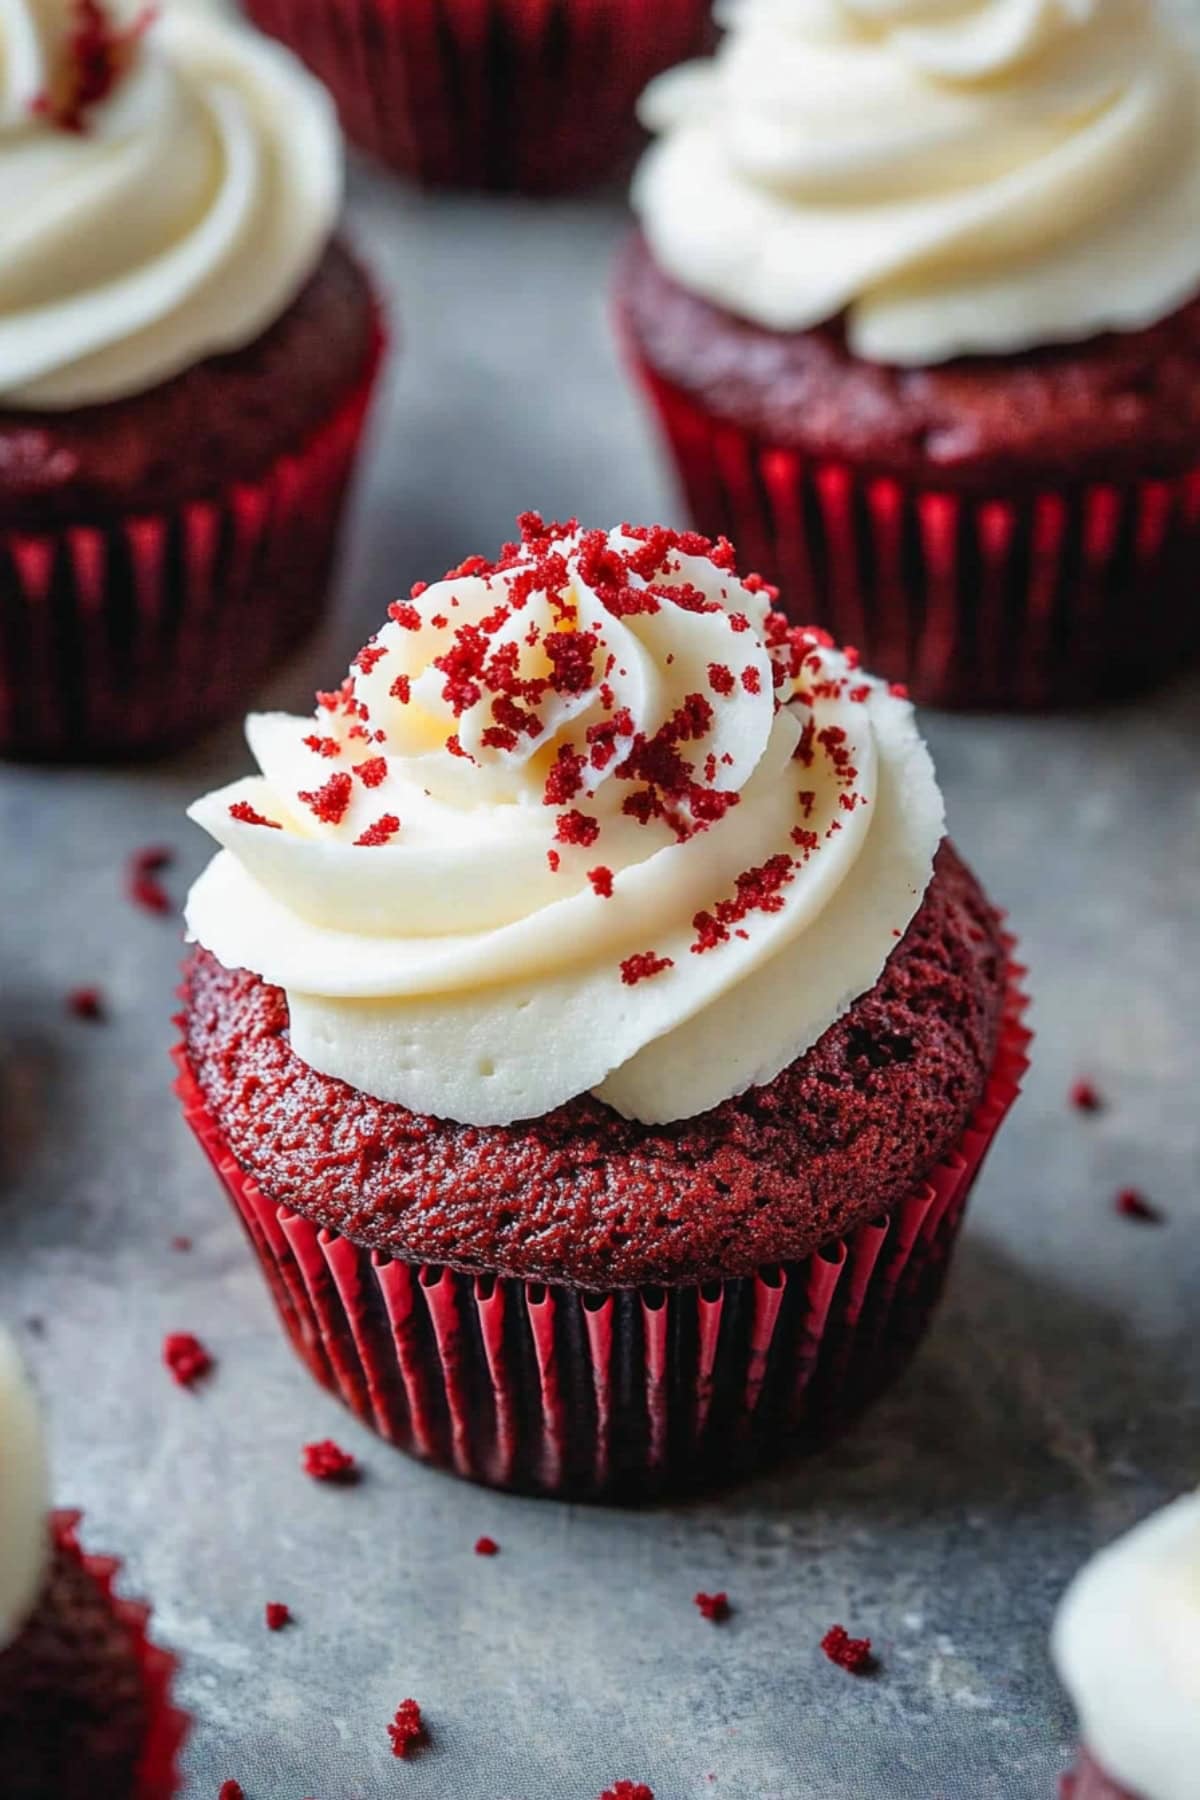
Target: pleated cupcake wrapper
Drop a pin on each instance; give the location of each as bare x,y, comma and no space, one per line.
138,634
1088,1781
510,94
1013,598
547,1389
158,1775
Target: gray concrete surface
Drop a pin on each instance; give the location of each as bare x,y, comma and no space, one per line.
1055,1401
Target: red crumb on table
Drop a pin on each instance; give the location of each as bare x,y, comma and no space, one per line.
277,1615
628,1790
715,1607
326,1461
186,1357
1085,1097
181,1243
330,802
231,1790
486,1546
143,886
602,881
849,1653
245,814
86,1003
1132,1204
642,966
407,1729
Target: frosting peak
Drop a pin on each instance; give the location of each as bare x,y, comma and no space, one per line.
167,185
591,817
24,1495
954,175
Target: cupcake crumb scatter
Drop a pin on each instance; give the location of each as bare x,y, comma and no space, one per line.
323,746
643,966
231,1790
849,1653
715,1607
1085,1097
381,832
628,1790
602,881
87,1003
486,1546
145,889
576,828
327,1461
183,1244
186,1357
246,815
1132,1204
277,1615
373,772
95,56
407,1729
330,802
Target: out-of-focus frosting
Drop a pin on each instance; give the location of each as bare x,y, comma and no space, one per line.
1127,1646
24,1495
599,709
956,175
175,218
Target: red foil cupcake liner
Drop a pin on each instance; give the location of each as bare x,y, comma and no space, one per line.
1006,599
552,1390
526,95
139,634
158,1775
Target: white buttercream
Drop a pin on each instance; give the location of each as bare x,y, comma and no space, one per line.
180,222
1127,1646
955,175
456,971
24,1495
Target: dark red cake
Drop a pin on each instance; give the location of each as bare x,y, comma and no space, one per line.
85,1712
991,530
586,1198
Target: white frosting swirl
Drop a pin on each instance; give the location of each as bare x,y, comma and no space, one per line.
180,219
24,1495
956,175
630,713
1127,1646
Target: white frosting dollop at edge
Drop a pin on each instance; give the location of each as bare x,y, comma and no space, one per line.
24,1495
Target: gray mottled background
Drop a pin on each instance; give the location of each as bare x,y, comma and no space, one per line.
1055,1401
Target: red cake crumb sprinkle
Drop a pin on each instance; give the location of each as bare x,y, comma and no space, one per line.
182,1244
643,966
714,1607
1086,1098
244,813
231,1790
407,1729
602,881
186,1357
277,1615
97,54
325,1461
322,746
1132,1204
554,860
86,1003
381,832
486,1546
756,890
576,828
401,689
144,888
404,615
372,772
897,690
859,694
330,802
628,1790
852,1654
752,680
720,679
454,747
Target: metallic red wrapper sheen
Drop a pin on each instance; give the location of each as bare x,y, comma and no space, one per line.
624,1395
137,635
526,95
1011,600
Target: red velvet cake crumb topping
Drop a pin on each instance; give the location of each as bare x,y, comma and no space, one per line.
486,1546
576,828
1132,1204
326,1461
277,1615
182,1244
628,1790
247,815
407,1729
372,772
1085,1097
715,1607
330,802
145,889
849,1653
95,56
186,1357
86,1003
381,832
643,967
602,881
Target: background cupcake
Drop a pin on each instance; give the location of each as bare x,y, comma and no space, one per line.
1125,1644
599,1054
185,358
916,303
490,93
85,1710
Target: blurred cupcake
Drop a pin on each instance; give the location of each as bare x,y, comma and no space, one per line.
1127,1647
590,1024
490,93
85,1710
186,355
916,304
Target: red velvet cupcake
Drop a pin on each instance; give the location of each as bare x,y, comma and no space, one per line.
537,96
591,1028
85,1706
916,307
182,386
1127,1647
